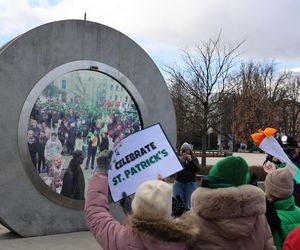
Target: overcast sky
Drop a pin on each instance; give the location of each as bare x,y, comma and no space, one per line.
162,27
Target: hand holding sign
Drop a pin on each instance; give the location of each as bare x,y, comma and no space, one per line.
140,157
269,167
125,203
264,140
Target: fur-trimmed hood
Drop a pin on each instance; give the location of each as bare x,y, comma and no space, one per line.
232,211
228,203
229,218
163,230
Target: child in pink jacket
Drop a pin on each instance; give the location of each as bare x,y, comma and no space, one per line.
150,225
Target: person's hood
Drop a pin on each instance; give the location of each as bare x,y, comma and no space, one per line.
232,229
232,211
166,231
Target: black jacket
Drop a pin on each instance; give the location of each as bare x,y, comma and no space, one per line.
73,182
190,168
62,130
71,135
41,145
296,192
104,143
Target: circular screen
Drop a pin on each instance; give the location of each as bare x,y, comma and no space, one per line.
82,111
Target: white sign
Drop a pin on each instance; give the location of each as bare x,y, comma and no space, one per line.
140,157
272,147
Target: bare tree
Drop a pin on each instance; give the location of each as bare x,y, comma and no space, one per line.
290,106
261,89
179,97
205,78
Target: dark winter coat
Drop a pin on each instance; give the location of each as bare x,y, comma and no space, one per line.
296,192
33,149
73,182
62,130
55,118
71,135
104,143
190,168
41,145
85,131
36,132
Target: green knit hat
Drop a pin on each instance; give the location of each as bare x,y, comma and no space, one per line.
231,171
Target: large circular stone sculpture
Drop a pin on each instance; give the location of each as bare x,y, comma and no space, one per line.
27,65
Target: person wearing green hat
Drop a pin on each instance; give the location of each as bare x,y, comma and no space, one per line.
231,171
229,212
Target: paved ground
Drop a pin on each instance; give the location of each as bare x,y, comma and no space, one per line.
71,241
83,240
253,159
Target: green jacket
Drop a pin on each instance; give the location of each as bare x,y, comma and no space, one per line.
289,215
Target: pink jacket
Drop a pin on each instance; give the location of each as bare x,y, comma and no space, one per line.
139,234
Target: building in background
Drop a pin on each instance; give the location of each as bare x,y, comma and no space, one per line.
92,88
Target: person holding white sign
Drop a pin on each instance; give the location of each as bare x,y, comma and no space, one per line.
140,157
185,183
291,148
150,225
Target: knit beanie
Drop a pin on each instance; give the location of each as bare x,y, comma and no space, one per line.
185,146
279,183
153,198
232,170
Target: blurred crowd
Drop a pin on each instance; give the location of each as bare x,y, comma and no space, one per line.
56,130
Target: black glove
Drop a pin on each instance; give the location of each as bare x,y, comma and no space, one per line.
178,206
103,161
125,203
